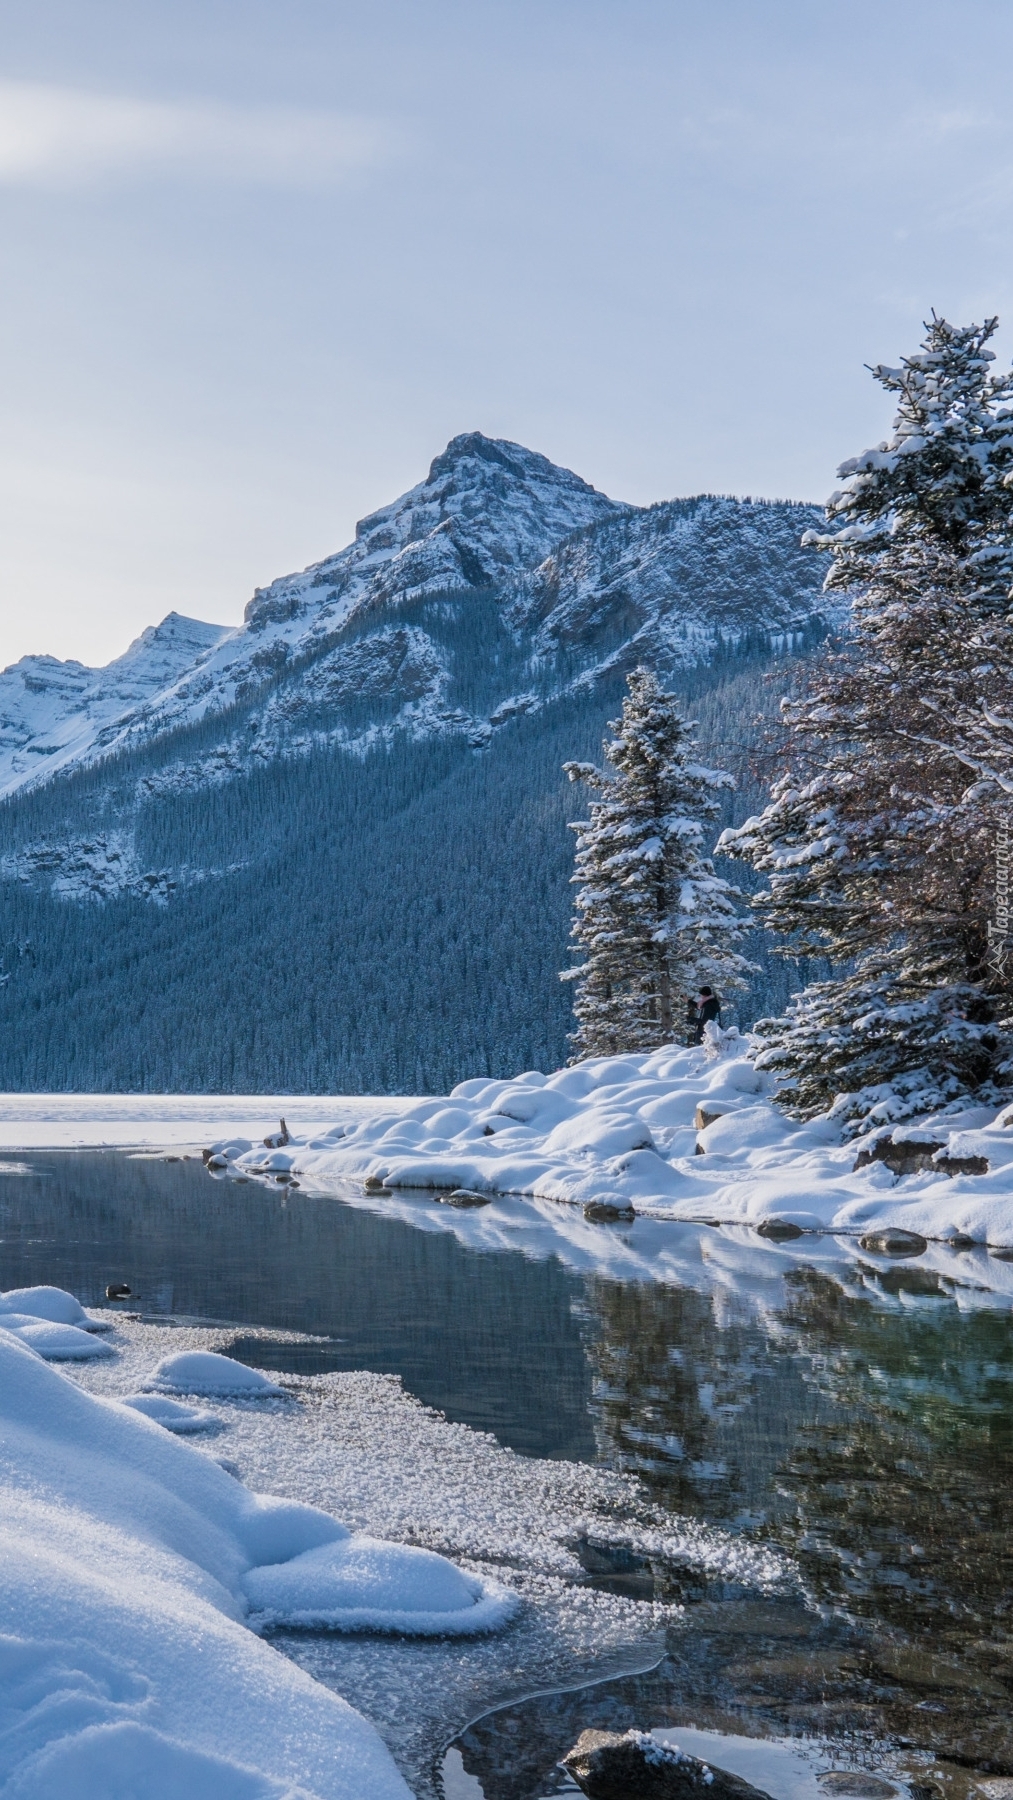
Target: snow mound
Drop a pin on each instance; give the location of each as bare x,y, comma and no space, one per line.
680,1134
51,1303
117,1761
205,1372
360,1584
133,1557
58,1343
171,1413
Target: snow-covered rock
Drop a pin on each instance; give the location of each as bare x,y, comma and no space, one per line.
171,1413
205,1372
360,1584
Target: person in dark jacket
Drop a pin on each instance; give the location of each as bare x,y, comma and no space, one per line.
708,1007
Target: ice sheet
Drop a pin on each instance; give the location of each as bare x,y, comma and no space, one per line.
78,1121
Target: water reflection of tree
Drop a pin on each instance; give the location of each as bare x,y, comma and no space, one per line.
698,1408
875,1443
903,1511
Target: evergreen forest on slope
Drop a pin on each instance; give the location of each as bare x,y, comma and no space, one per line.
392,921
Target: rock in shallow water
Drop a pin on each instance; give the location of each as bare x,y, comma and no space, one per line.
464,1197
634,1766
892,1241
608,1212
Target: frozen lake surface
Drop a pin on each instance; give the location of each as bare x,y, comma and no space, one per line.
799,1407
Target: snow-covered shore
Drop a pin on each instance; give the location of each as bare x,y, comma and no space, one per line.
129,1667
626,1131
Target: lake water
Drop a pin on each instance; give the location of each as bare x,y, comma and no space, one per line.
869,1435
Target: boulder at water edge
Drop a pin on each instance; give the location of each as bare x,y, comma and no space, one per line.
634,1766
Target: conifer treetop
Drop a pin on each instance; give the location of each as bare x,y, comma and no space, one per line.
943,479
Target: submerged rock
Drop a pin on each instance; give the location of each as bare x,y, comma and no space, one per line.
892,1241
779,1231
634,1766
855,1784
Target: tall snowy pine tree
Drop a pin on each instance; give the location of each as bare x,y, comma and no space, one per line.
879,842
651,916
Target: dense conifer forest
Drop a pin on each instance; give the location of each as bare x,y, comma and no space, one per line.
382,922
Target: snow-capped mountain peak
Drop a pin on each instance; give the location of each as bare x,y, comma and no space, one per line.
578,582
487,510
55,714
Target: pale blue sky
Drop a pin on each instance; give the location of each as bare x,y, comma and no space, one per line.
260,261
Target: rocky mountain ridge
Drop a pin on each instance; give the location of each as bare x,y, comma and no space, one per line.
56,715
556,584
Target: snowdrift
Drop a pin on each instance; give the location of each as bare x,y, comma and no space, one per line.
673,1135
131,1567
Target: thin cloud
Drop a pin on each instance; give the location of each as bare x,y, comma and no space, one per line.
57,136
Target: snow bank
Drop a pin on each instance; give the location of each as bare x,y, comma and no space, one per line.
50,1303
52,1323
128,1564
674,1135
357,1444
58,1343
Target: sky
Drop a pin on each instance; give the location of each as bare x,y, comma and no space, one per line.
260,261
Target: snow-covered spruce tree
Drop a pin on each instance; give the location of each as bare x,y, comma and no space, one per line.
879,840
651,916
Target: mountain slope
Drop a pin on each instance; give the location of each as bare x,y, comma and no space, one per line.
487,511
350,813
